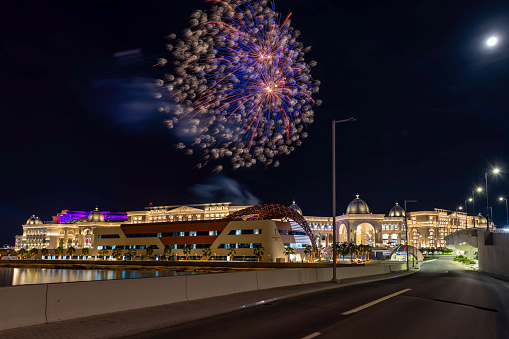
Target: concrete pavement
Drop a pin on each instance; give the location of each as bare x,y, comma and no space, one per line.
122,324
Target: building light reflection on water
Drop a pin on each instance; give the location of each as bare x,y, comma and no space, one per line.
27,276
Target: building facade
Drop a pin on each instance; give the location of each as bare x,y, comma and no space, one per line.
67,229
189,225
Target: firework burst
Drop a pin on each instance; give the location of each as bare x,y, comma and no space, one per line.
241,89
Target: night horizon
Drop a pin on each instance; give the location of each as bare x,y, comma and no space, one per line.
83,127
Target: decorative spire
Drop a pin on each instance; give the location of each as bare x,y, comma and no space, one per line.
357,195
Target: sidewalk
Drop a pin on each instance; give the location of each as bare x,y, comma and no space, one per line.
122,324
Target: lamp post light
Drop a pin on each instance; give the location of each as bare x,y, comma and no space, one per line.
406,232
472,200
494,171
506,210
457,216
334,122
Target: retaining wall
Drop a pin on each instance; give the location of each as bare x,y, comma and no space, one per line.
39,304
493,252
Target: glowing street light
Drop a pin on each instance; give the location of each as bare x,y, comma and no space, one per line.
506,210
486,172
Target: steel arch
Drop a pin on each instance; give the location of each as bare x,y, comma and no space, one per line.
274,211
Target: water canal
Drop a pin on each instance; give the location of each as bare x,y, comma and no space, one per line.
11,276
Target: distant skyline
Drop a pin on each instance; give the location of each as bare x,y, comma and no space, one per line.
81,126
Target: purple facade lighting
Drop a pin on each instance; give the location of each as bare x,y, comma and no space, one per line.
67,215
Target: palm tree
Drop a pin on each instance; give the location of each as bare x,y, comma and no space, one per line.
149,251
343,250
186,250
59,251
231,252
85,252
352,248
12,252
22,253
70,251
309,250
103,253
33,252
288,250
167,251
3,252
369,249
258,251
131,253
207,252
44,251
117,253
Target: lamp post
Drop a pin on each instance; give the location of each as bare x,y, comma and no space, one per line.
466,215
506,210
495,171
334,122
457,215
406,232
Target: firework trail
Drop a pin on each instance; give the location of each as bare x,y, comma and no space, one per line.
241,89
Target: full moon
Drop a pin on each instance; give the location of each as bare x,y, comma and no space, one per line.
492,41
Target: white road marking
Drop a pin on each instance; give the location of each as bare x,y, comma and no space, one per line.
375,302
312,335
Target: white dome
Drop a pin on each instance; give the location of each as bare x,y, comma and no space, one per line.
95,216
33,220
397,211
296,208
357,206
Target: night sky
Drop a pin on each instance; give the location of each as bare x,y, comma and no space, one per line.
80,126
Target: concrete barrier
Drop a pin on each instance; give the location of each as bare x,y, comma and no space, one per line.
38,304
358,271
82,299
279,278
397,267
22,306
213,285
324,274
308,276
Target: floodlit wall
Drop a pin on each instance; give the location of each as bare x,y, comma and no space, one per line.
493,252
39,304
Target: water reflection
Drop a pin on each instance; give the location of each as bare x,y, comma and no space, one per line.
25,276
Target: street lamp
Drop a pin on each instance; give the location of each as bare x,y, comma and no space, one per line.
495,171
406,232
472,200
334,122
506,210
457,216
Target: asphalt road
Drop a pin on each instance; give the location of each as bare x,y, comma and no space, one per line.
442,300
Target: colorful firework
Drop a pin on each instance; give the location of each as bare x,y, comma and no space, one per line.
241,89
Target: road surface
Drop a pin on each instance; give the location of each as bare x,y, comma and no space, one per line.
442,300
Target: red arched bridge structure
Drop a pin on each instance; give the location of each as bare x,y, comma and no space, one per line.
274,211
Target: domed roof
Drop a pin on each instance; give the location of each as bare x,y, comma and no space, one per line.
357,206
95,215
296,208
397,211
34,220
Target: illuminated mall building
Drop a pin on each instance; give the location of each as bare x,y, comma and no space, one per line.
222,226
